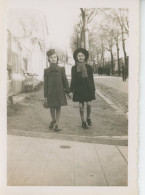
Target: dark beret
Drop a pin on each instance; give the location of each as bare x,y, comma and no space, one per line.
82,50
50,52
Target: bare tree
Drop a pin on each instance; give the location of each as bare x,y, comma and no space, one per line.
122,18
116,32
87,16
96,46
103,33
96,42
117,42
75,39
107,34
113,24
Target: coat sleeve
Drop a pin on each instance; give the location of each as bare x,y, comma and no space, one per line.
65,81
72,83
45,83
92,77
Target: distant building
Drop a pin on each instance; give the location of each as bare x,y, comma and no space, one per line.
26,53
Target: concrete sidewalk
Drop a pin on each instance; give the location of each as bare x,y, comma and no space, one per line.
30,118
50,162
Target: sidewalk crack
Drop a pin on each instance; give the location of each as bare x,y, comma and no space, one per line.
121,154
45,166
73,166
101,166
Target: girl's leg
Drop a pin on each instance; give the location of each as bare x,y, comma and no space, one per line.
58,113
52,112
84,125
89,122
88,110
81,105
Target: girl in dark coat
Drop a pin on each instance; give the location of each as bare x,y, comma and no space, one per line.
55,87
82,84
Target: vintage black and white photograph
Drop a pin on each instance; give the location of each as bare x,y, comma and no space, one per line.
67,96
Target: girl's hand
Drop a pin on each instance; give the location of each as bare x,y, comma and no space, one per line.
71,95
68,95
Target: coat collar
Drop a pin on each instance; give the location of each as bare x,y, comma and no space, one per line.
53,68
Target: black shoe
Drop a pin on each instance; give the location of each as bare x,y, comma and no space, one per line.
51,124
56,128
89,122
84,125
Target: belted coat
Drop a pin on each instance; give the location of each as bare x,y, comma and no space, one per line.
56,86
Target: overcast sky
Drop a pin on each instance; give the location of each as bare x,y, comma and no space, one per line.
61,15
61,23
61,18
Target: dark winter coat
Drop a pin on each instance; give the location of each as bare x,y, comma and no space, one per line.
83,89
55,86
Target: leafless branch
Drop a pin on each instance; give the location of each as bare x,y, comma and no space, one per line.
92,15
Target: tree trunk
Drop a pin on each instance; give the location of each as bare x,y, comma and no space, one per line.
97,62
83,29
84,32
86,39
118,58
112,65
77,40
83,38
103,59
102,56
124,50
125,58
95,65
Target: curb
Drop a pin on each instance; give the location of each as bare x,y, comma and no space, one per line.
109,140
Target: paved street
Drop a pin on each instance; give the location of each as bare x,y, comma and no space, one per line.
51,162
113,82
114,89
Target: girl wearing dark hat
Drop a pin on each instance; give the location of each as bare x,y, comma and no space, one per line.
82,84
55,87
